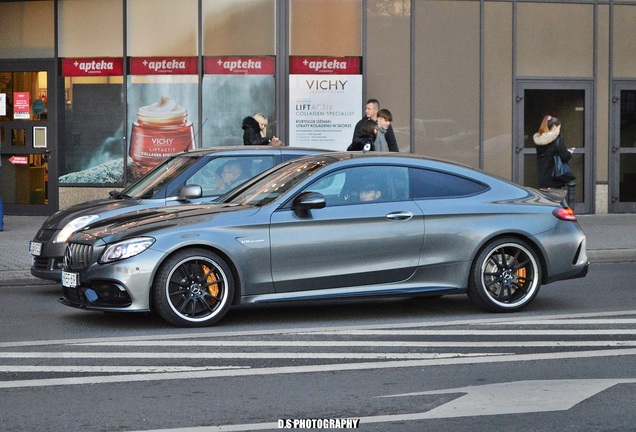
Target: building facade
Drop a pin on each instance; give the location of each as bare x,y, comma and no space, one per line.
466,80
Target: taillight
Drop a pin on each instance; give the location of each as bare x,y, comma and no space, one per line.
565,213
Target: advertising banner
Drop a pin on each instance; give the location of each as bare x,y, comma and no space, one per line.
164,66
92,67
21,105
325,101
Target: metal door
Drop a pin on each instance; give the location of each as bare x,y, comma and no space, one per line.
622,158
28,173
571,102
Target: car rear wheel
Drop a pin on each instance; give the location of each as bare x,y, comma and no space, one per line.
505,276
193,288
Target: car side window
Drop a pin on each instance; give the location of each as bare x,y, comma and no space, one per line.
359,185
426,183
221,174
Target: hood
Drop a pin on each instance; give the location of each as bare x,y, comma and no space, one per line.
546,138
250,123
101,207
142,222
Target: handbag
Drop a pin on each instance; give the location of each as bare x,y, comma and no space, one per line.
562,171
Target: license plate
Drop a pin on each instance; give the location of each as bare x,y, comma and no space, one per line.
70,280
35,248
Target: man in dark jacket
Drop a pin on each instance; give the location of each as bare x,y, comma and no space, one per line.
371,112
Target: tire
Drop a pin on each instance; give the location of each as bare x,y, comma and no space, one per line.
505,276
193,288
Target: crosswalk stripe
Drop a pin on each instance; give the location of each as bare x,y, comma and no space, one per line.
245,355
372,343
338,367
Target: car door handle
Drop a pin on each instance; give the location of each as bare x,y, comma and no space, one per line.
400,215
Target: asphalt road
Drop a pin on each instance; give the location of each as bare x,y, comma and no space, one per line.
566,363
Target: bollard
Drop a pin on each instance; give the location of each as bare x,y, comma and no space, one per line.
571,194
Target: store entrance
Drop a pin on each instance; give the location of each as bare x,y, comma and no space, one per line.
571,102
28,144
623,148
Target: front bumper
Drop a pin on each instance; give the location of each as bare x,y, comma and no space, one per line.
119,286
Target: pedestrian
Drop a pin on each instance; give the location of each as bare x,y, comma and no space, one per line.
255,131
371,110
365,138
384,122
549,143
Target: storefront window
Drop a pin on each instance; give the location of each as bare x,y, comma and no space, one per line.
624,41
555,40
163,82
93,143
27,29
388,63
239,50
91,47
325,28
446,83
497,146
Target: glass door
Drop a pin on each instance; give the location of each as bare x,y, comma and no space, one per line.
571,102
27,137
622,160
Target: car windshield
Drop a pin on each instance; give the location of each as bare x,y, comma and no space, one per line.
276,182
148,186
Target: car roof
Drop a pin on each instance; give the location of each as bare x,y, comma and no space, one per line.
253,149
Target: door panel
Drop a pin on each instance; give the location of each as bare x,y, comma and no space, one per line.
623,149
570,102
346,246
368,233
27,137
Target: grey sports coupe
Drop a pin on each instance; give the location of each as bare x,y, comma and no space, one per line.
326,226
195,176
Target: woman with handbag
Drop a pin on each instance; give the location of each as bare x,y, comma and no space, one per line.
550,146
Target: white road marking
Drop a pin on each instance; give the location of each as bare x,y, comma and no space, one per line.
373,343
245,355
216,333
312,368
468,332
111,369
528,397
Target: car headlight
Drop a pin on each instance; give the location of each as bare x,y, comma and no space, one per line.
73,226
126,249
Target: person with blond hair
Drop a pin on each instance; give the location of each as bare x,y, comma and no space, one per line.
255,131
549,143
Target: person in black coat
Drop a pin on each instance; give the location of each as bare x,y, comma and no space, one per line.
365,139
371,112
255,131
549,143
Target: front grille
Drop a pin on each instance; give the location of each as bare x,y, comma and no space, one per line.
77,256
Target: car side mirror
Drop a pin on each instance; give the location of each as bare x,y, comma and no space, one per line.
189,192
308,201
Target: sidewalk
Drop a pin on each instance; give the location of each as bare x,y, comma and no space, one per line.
610,238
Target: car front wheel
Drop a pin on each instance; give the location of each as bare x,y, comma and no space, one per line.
193,288
505,276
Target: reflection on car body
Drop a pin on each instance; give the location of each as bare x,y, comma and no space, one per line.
190,177
299,232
